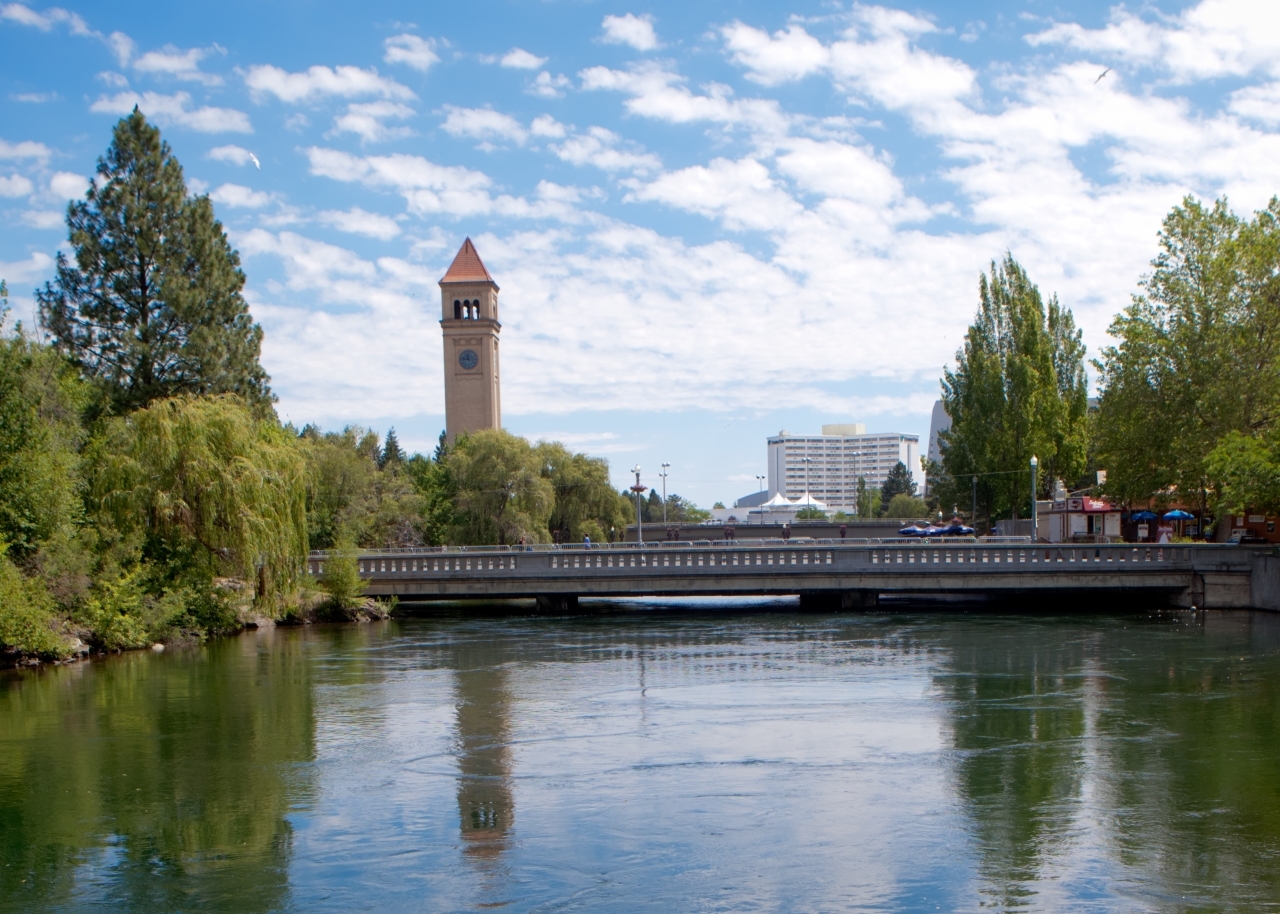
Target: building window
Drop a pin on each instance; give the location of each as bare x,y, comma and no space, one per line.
457,310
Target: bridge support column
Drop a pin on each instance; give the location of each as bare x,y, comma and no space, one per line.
558,603
838,600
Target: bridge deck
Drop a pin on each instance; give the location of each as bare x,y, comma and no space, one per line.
1200,574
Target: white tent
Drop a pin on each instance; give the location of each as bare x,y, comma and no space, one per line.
808,501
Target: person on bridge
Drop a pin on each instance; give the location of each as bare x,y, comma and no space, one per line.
586,540
844,529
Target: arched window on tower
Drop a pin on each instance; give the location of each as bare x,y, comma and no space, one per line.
457,310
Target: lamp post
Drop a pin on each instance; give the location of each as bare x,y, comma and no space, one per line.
637,488
807,461
1034,465
760,507
973,518
663,474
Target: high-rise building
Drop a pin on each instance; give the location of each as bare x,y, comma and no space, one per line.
828,465
469,320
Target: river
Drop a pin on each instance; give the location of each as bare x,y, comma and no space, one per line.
648,758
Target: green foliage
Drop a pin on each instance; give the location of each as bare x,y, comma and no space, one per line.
1197,367
1018,389
905,506
341,577
898,482
811,513
502,492
1247,471
152,307
205,477
391,454
27,622
41,402
584,501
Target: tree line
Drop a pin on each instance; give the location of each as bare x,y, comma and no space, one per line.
1187,397
149,492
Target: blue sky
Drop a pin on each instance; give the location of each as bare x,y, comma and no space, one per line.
709,221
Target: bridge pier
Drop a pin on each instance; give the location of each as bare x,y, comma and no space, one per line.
557,603
838,600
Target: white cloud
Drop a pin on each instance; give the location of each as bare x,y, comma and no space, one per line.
238,196
545,85
367,120
233,155
784,56
483,124
1210,39
15,186
114,79
412,51
636,31
318,82
742,194
184,65
520,59
359,222
174,109
546,125
24,15
68,185
1261,103
599,147
34,267
26,149
34,98
44,219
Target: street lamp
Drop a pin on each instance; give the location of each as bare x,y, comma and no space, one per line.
1034,465
663,474
760,507
637,488
807,461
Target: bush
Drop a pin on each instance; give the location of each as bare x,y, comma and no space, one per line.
26,614
341,577
904,505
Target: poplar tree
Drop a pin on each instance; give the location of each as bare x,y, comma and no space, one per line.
151,307
1018,390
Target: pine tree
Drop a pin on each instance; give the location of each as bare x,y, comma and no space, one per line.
152,306
898,482
391,455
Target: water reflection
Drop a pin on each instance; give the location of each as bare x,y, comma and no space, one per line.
486,808
154,783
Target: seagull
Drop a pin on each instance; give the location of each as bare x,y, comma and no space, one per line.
1095,82
258,165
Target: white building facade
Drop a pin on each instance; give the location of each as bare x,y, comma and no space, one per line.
828,465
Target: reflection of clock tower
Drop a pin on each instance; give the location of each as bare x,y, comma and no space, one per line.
470,323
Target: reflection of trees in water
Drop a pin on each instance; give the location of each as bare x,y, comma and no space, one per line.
1173,728
166,781
1018,718
1193,759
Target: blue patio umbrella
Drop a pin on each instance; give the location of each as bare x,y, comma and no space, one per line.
1179,514
1142,515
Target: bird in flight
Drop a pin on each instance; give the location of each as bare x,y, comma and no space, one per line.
258,165
1095,82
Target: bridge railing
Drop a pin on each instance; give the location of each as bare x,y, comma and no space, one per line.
773,557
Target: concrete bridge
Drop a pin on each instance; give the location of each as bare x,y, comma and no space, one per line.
836,574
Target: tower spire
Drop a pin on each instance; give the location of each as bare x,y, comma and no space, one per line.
467,266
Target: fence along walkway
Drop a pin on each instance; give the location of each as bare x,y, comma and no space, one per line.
765,567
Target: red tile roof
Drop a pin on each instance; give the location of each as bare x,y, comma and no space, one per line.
467,266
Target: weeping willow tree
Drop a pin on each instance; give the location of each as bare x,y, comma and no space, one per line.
206,472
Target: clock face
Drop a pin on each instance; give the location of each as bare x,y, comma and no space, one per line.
468,359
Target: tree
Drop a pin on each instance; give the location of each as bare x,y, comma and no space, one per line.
206,477
904,505
1018,390
898,482
1196,372
152,308
502,494
391,455
585,503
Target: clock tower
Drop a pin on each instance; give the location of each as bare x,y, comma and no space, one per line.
469,319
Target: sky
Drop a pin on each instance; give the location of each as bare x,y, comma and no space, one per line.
709,222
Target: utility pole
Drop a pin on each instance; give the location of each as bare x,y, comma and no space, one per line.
760,507
973,518
637,488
